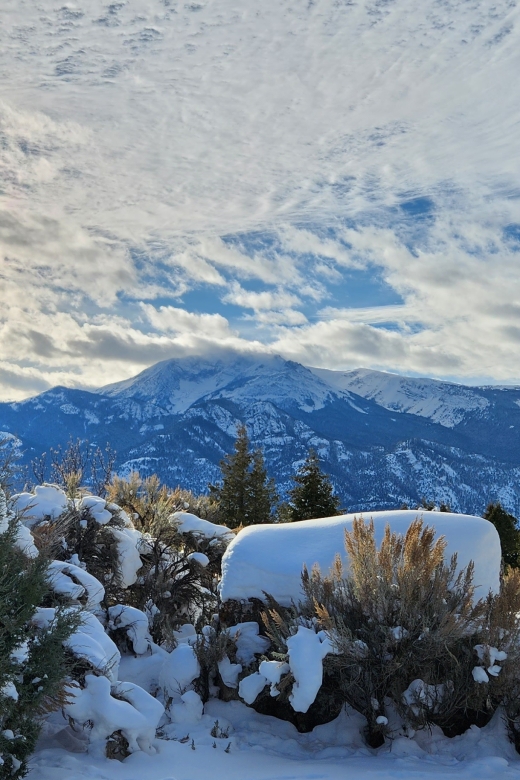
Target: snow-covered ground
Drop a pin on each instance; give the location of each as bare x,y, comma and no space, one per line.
149,695
233,741
265,748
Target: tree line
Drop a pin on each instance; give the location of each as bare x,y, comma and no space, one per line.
245,494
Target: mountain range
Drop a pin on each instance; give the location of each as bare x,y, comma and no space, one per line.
384,439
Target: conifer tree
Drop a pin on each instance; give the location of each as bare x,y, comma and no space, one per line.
261,492
231,493
312,495
508,531
245,495
33,661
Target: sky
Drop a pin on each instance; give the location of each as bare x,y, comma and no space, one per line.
335,181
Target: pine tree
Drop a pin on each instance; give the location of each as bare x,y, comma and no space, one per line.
245,495
508,531
261,492
231,493
33,661
312,496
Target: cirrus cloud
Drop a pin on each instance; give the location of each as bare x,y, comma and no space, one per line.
336,182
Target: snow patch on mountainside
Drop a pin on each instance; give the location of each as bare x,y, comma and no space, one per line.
441,402
285,383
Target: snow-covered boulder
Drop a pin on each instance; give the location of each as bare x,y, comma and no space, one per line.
270,557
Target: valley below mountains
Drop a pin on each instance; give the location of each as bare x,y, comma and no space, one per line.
384,439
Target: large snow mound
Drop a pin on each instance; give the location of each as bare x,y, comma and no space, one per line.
271,557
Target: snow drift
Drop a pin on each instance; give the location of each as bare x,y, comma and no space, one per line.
271,557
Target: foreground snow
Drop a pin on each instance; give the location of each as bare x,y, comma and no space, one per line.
264,748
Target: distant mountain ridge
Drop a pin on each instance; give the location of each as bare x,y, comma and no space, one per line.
384,439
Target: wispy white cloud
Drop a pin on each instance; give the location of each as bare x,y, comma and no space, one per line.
260,301
372,315
170,319
305,242
272,319
196,267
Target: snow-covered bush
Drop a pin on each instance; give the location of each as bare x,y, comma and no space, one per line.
132,624
87,532
210,663
178,580
404,626
33,659
134,589
292,681
93,538
116,717
289,682
180,552
167,568
498,653
178,673
106,710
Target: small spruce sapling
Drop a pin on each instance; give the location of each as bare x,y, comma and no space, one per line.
312,495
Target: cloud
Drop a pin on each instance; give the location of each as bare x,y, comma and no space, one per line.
58,255
170,319
283,317
21,381
259,160
459,312
371,315
306,242
343,344
271,270
196,268
42,345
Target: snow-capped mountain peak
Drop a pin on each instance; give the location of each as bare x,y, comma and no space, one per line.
445,403
383,438
177,384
